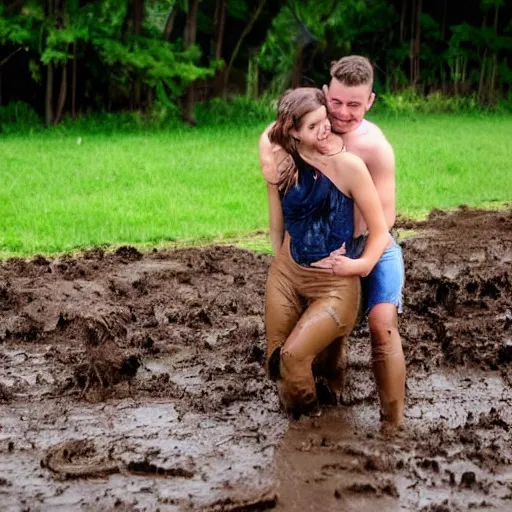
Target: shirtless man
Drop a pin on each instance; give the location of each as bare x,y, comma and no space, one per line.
349,97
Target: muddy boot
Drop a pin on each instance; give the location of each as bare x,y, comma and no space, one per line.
324,392
330,369
297,386
273,363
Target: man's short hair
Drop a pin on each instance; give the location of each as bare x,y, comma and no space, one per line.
353,70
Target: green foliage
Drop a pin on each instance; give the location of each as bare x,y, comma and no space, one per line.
21,29
156,14
126,63
332,28
279,51
148,58
119,58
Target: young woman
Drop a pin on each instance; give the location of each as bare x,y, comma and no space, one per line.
313,289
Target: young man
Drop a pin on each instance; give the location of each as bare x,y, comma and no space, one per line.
349,97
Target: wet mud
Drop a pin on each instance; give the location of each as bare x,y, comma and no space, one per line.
134,381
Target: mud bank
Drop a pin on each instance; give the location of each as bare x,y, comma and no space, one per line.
134,381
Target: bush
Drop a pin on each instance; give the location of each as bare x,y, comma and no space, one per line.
19,117
108,122
237,109
505,104
410,102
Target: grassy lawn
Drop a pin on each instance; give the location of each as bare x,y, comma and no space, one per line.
61,192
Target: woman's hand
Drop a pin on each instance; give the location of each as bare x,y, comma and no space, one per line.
341,265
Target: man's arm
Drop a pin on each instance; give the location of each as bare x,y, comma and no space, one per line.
352,174
380,160
269,170
276,218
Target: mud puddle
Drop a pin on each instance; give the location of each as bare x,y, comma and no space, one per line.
134,381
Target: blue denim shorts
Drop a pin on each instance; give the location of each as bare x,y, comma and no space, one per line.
385,283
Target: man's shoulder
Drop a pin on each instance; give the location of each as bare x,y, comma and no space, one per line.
264,140
268,128
267,148
370,143
272,157
372,136
372,146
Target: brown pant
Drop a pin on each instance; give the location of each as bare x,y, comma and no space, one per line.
309,313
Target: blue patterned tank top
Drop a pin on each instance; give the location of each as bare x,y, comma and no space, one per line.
317,215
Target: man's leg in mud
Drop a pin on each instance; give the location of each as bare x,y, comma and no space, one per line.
388,361
323,322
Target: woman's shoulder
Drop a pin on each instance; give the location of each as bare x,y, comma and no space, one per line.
348,171
348,161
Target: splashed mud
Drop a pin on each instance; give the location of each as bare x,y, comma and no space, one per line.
134,381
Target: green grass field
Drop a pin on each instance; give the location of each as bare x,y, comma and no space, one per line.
60,192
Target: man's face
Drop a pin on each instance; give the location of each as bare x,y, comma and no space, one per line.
347,105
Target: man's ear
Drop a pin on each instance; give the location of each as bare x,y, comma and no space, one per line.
370,101
325,90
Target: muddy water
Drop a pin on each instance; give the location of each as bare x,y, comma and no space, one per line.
134,381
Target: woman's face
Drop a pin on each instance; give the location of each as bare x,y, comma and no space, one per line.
315,127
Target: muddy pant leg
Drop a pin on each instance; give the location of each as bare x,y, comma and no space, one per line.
323,322
283,307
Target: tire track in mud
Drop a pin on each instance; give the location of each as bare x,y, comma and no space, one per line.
153,364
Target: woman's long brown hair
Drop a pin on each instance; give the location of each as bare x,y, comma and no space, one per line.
292,107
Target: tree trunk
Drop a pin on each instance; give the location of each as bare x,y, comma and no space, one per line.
443,23
219,32
415,43
252,78
217,43
191,24
418,40
169,23
402,20
62,94
137,17
49,95
190,39
481,82
150,98
48,108
491,95
297,69
492,81
246,31
73,83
